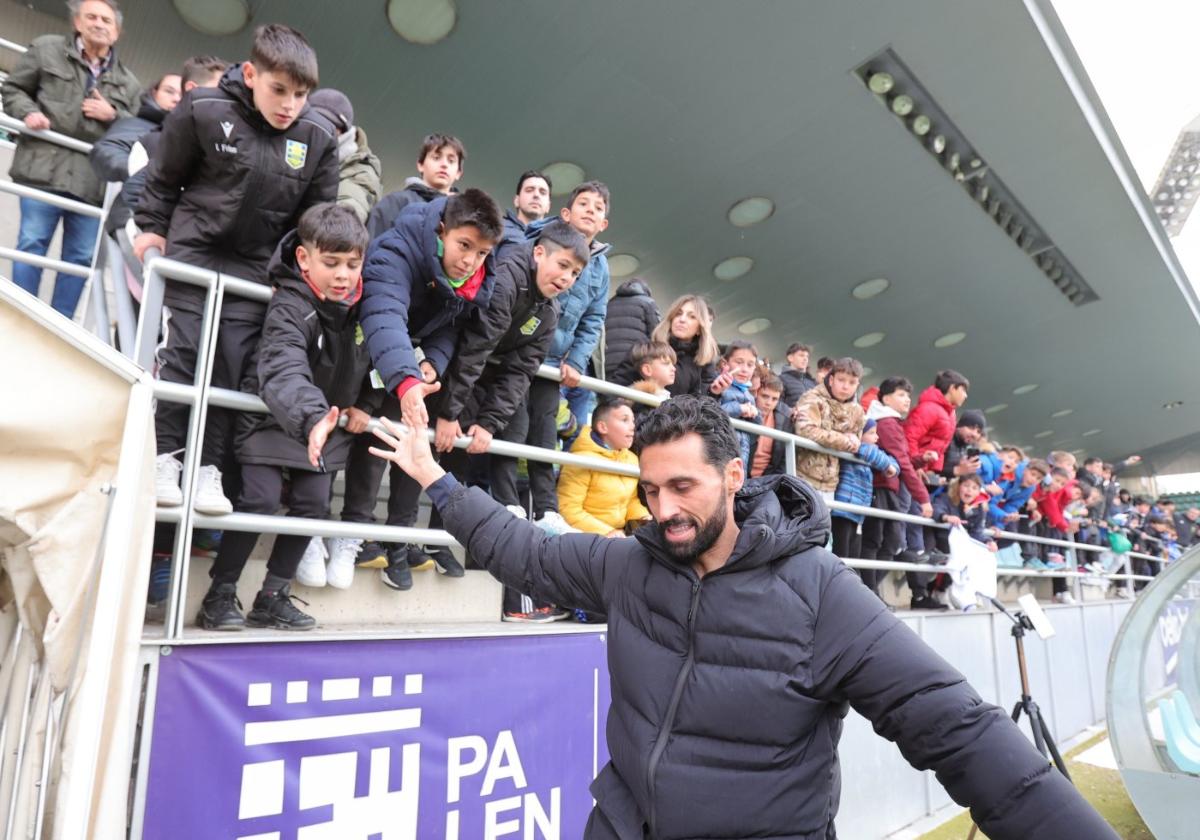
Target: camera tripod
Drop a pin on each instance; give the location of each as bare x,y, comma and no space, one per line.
1042,739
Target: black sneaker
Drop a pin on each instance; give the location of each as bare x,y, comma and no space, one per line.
397,575
540,616
420,557
371,556
275,609
221,609
447,563
934,557
928,602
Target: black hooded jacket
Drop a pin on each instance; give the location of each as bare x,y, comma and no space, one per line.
384,214
795,384
110,154
690,378
312,355
500,350
632,316
729,690
224,186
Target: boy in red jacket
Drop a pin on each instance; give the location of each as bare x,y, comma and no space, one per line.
929,430
1046,514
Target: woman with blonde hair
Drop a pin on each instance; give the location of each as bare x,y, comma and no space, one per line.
687,327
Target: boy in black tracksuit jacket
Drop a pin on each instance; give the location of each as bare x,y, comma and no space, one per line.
236,166
497,356
310,366
422,280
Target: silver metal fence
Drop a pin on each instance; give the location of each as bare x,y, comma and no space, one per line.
200,395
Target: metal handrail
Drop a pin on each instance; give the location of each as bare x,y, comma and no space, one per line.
13,45
11,123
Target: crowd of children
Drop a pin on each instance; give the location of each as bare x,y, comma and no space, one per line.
429,306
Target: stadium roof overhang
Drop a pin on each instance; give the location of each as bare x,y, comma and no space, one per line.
684,108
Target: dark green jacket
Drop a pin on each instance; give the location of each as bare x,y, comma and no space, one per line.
53,78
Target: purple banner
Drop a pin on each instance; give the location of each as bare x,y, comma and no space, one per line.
387,740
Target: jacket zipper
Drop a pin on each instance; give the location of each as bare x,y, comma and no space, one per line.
664,733
251,189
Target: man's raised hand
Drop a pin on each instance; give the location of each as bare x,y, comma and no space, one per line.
408,449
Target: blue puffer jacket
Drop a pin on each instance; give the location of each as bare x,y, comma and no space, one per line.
855,480
581,311
407,300
1013,500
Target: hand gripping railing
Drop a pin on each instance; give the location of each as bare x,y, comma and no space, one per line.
201,394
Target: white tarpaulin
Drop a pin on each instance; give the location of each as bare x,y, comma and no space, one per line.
76,522
972,569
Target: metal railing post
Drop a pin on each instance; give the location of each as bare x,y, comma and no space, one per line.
126,319
789,458
150,317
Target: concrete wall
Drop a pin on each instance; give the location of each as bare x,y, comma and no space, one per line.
881,793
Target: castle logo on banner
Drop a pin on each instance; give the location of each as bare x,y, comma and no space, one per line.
317,741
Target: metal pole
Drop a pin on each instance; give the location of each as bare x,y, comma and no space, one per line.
126,319
150,318
18,127
26,713
789,458
44,262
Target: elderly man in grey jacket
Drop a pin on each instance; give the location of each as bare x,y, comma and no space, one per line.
77,86
736,643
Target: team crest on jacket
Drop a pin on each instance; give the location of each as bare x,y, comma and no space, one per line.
529,326
295,153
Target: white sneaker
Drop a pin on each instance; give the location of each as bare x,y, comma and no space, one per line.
311,571
342,553
517,511
553,523
166,480
1065,598
210,495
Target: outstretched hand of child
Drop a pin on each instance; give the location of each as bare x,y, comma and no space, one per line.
954,521
319,434
412,404
356,420
481,439
448,431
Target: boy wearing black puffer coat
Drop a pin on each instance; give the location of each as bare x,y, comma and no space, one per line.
310,367
632,316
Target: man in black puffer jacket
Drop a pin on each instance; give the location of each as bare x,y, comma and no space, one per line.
632,316
736,643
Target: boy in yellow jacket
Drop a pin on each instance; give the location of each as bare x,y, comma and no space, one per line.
602,502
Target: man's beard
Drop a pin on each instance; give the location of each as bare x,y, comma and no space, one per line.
707,533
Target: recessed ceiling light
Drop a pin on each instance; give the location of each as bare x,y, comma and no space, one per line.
565,176
1044,434
421,21
732,268
869,340
214,17
1091,432
870,288
754,326
995,409
1025,389
949,340
1063,413
751,211
622,265
881,83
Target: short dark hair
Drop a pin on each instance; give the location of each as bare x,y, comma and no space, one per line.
607,406
648,351
947,379
738,344
1061,472
824,362
473,208
893,384
200,68
278,48
796,347
1093,460
597,187
558,234
533,173
771,382
1164,500
849,365
685,415
433,142
75,6
1140,500
1038,465
332,228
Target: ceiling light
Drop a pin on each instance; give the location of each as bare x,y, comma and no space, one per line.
622,265
1065,412
751,211
1044,434
214,17
902,105
949,340
1173,196
921,125
1024,389
867,372
754,326
995,409
870,288
565,176
422,21
1091,432
881,83
869,340
1171,406
938,144
732,268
